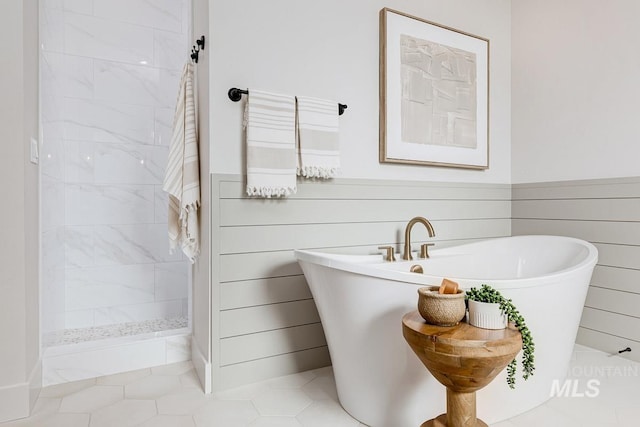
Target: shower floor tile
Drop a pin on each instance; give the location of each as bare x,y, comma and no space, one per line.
76,336
170,396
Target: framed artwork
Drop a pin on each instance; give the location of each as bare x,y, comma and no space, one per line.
434,94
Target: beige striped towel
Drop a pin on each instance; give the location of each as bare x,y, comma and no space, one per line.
182,177
271,146
317,138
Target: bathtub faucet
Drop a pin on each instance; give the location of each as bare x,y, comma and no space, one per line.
407,238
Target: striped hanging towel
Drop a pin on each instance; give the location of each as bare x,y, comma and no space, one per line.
271,147
182,177
317,138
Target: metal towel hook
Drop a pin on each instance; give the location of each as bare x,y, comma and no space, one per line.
195,50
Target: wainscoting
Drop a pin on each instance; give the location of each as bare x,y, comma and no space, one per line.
605,212
264,320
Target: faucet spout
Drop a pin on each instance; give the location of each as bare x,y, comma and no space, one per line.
407,234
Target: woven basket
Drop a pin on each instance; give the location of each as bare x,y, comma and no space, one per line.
440,309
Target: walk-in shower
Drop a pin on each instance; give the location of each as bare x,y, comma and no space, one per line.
109,74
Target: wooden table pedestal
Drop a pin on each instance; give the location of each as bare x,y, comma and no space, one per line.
464,359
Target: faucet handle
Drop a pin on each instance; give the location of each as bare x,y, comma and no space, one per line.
424,250
390,256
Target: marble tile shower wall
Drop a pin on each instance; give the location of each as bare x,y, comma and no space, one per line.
110,71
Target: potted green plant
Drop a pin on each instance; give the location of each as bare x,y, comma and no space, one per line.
489,295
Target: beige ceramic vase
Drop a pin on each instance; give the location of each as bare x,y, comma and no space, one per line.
440,309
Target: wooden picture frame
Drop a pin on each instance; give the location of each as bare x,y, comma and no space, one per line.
434,94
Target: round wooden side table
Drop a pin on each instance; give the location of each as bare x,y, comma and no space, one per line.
464,359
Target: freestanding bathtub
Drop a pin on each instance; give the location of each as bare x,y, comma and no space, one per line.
361,300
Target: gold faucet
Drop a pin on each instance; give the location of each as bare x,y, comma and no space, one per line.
407,236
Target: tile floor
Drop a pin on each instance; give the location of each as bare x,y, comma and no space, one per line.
170,396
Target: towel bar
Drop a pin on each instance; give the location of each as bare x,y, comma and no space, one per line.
235,95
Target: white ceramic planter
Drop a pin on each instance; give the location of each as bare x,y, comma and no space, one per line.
486,315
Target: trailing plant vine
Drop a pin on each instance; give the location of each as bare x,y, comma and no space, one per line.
488,294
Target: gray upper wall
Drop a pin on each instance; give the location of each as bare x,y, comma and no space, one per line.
563,96
575,96
330,49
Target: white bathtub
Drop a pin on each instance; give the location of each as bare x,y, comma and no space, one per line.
361,300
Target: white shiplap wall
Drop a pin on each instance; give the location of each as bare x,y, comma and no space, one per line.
605,212
264,320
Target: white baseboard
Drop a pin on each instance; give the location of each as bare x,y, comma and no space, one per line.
17,400
202,366
35,383
14,402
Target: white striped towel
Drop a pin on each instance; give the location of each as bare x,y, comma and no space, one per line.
317,138
182,177
271,144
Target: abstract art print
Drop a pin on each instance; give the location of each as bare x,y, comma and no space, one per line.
434,91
